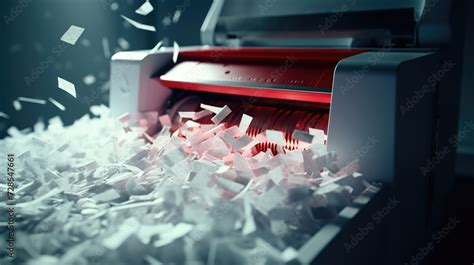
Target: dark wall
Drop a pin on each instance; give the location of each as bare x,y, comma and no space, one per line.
466,146
32,55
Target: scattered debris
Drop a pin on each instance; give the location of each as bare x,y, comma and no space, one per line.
67,86
72,35
145,9
108,193
4,115
89,80
57,104
139,25
17,105
32,100
175,52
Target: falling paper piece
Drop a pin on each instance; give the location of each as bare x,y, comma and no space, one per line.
221,115
145,9
194,115
89,80
211,108
114,6
139,25
106,47
4,115
57,104
275,137
245,123
123,43
176,16
166,21
319,136
67,86
17,105
32,100
157,47
86,42
175,51
289,254
72,35
188,192
302,136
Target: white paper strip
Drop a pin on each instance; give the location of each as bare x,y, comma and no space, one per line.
319,136
245,123
221,115
275,137
4,115
302,136
72,35
67,86
213,109
32,100
16,105
175,52
106,47
145,9
57,104
139,25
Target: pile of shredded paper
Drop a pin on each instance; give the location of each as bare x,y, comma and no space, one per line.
105,192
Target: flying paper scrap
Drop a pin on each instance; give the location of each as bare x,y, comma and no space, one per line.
139,25
145,9
102,193
32,100
72,35
67,86
245,123
175,52
57,104
4,115
17,105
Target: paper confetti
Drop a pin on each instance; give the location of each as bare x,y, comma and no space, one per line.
211,108
57,104
275,137
123,43
17,105
221,115
245,123
72,35
67,86
32,100
106,47
175,52
139,25
176,16
302,136
145,9
4,115
319,136
103,194
89,80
